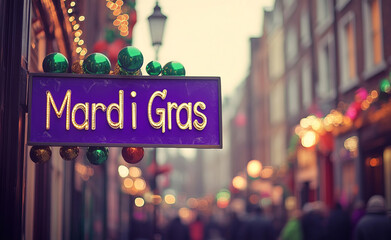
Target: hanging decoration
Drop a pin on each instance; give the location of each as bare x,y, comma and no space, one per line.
97,155
174,68
133,155
96,63
40,154
69,153
130,59
154,68
55,63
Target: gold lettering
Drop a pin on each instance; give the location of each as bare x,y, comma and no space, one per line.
84,108
187,107
120,109
66,101
170,106
200,126
134,115
133,94
159,111
94,107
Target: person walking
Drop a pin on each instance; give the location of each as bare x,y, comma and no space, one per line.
257,227
338,224
375,223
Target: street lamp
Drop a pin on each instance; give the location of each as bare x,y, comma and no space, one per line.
156,25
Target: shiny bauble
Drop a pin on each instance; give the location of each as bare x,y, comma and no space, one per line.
154,68
55,63
97,155
132,155
96,63
77,67
130,59
174,69
69,153
40,154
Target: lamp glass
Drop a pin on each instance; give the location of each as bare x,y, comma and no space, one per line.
157,22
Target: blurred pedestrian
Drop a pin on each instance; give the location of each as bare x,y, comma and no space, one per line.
196,229
292,229
176,230
140,227
375,224
357,213
313,221
235,225
213,229
338,224
257,227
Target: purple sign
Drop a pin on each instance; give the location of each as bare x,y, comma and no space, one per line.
108,110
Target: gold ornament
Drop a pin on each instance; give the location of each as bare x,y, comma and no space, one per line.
40,154
69,153
77,67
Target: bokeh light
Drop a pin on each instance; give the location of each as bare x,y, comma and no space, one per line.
139,202
123,171
140,184
128,182
135,172
239,183
170,199
309,139
254,168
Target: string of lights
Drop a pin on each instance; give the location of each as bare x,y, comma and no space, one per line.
122,19
76,22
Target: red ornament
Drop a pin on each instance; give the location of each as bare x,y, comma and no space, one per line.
114,48
133,154
101,46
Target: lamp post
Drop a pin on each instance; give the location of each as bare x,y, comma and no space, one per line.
157,22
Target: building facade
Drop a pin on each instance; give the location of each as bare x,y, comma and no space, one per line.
320,77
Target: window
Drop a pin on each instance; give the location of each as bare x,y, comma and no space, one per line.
306,84
277,16
289,6
293,95
291,45
372,35
325,86
347,51
305,37
323,14
277,151
277,106
341,4
276,55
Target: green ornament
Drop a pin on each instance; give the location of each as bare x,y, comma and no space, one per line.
154,68
174,69
55,63
97,155
130,59
96,63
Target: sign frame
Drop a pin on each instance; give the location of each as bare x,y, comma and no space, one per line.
106,76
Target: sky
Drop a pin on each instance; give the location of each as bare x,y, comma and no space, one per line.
209,37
